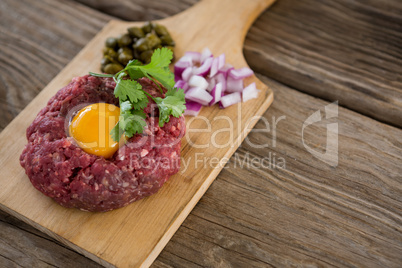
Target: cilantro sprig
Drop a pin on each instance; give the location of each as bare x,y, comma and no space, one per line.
133,99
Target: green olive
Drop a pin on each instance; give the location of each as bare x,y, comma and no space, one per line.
136,32
145,56
147,27
152,40
167,40
141,45
124,40
111,42
161,30
113,68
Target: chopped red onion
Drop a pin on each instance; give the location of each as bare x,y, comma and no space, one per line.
187,73
186,59
198,81
180,66
234,85
182,84
220,78
206,79
225,69
211,83
206,53
241,73
199,95
214,67
204,68
230,99
221,61
250,92
194,56
216,94
192,108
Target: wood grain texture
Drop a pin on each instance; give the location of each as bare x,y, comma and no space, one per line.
308,215
139,10
38,38
21,245
346,51
133,236
342,50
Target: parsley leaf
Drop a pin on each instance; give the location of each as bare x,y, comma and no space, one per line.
133,63
161,58
125,106
132,122
116,132
133,99
129,89
172,104
158,68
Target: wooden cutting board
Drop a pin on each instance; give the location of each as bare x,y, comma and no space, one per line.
134,236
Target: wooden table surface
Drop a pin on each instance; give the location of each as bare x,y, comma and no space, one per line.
300,211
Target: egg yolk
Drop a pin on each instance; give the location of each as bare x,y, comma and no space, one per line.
91,128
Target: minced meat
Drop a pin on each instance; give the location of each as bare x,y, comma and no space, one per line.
60,169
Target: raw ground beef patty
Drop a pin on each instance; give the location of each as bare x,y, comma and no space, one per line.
61,170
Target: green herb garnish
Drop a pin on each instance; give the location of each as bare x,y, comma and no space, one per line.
133,99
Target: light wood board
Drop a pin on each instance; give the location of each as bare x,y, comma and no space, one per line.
133,236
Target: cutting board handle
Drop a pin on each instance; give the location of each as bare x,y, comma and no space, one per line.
227,21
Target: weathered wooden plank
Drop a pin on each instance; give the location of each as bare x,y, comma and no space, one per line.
38,38
342,50
141,10
21,245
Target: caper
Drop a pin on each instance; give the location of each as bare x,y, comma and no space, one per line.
106,50
145,56
111,42
136,54
105,60
125,50
141,45
124,40
136,32
167,40
110,52
161,30
124,57
152,40
136,43
147,27
113,55
171,48
113,68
